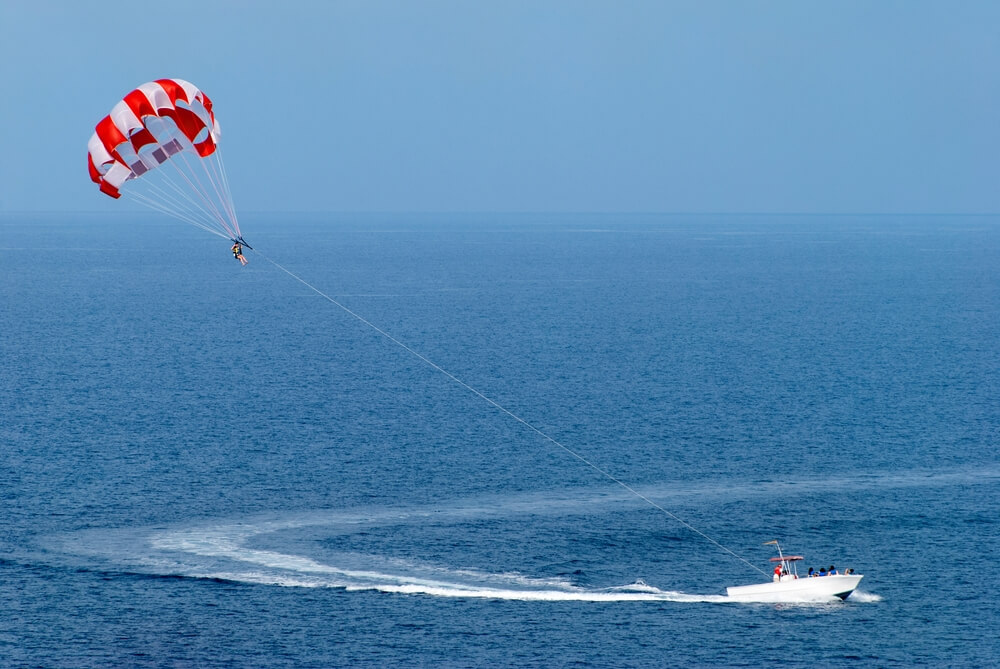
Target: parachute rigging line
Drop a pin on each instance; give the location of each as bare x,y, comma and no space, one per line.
508,412
165,195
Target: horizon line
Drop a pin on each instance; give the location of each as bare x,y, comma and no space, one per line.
524,212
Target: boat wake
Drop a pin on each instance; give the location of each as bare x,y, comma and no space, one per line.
294,550
865,597
309,550
381,574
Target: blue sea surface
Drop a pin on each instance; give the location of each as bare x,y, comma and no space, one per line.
381,443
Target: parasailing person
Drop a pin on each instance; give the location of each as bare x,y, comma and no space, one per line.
238,253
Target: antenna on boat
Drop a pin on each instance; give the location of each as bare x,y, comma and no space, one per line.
774,542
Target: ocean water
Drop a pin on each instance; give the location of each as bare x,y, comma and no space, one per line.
203,465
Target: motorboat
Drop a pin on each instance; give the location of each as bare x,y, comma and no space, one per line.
788,586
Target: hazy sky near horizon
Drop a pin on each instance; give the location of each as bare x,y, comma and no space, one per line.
537,105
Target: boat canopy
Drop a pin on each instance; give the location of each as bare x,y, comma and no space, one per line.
788,558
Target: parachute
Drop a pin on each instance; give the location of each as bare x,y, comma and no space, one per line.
160,146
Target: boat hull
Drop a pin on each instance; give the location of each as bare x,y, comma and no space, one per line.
798,590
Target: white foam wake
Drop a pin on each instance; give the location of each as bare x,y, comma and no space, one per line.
269,567
244,551
864,597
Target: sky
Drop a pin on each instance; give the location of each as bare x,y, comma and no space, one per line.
701,106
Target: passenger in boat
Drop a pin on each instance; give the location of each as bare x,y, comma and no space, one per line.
812,572
833,571
822,571
777,573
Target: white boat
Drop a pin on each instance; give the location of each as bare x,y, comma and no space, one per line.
788,586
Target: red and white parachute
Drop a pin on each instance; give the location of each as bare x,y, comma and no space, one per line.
159,146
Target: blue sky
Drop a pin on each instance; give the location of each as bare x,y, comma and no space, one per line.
701,106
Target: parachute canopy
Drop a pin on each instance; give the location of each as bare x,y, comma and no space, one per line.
160,146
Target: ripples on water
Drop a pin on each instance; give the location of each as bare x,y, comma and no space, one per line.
206,465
